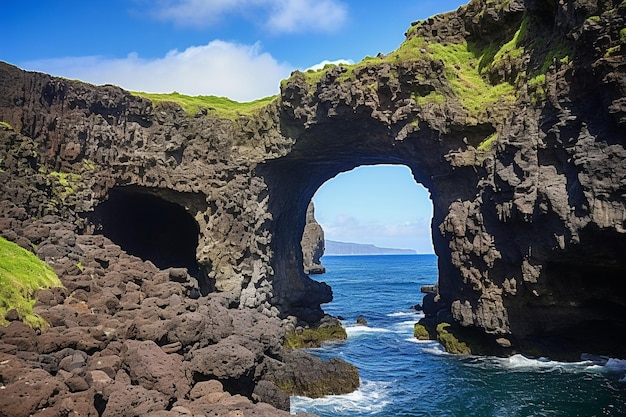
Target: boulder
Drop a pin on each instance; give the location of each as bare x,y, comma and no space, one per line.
152,368
224,360
301,373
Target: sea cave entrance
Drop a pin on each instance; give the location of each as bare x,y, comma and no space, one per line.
149,226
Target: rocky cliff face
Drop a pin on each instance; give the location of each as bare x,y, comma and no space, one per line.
511,113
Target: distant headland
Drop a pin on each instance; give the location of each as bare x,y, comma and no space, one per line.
344,248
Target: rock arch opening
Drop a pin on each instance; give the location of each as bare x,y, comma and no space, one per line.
297,181
147,225
381,206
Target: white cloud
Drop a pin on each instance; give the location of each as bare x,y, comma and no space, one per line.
240,72
279,16
327,62
303,15
415,234
199,13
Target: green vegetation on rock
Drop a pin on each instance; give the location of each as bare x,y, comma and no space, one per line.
314,336
472,89
487,144
317,384
434,97
22,274
450,342
63,184
6,125
420,332
223,107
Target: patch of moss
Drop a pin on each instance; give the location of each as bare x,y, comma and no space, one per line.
88,164
64,182
434,97
513,49
487,143
421,332
314,336
560,52
22,274
471,88
622,35
223,107
6,125
450,342
537,88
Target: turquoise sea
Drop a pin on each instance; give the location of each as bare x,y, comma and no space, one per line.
401,376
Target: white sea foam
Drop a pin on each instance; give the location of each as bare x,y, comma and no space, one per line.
421,342
404,327
521,363
359,330
615,365
371,397
435,349
406,313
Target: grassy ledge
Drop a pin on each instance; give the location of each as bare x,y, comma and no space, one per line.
22,274
223,107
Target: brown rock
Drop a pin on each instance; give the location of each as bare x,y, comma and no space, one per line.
224,360
152,368
33,390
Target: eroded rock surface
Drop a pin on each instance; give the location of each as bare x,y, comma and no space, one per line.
511,113
312,244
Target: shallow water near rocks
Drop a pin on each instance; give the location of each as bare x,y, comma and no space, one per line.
401,376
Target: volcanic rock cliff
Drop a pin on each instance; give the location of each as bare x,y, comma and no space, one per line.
511,113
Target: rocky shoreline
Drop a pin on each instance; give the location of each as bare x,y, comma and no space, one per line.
511,113
128,339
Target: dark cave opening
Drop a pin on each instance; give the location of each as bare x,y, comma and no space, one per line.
149,227
591,311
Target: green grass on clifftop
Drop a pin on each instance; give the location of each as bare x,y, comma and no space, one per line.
22,274
221,106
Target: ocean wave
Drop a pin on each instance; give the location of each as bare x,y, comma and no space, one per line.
359,330
521,363
435,349
404,327
371,397
417,314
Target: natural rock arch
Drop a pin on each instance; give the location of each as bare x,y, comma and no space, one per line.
524,165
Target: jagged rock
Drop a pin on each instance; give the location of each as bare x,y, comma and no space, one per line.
312,243
268,392
303,374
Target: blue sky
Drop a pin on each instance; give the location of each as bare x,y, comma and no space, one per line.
235,48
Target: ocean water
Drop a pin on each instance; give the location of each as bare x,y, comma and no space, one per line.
401,376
